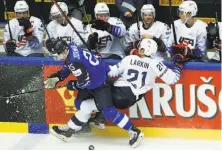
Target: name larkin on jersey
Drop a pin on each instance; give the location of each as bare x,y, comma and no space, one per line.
139,63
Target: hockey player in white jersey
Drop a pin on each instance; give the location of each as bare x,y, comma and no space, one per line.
148,28
191,33
139,72
25,35
214,36
105,32
59,28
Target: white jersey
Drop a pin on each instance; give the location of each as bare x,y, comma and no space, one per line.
140,73
195,35
18,35
108,44
66,33
158,29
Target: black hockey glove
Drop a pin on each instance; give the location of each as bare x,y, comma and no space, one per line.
71,85
49,44
101,25
10,47
93,40
25,22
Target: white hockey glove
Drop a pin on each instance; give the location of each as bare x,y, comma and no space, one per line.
51,82
113,71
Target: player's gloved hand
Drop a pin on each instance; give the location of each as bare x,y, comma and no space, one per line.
113,71
93,40
218,44
50,83
33,42
134,52
49,43
25,22
178,58
101,25
71,85
10,47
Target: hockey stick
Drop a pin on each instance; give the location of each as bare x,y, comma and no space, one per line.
43,22
32,91
173,25
6,10
67,19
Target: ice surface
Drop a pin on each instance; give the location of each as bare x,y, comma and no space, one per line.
46,141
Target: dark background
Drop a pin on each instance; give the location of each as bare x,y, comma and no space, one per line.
206,8
29,107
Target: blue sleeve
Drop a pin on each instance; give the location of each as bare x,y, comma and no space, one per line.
64,72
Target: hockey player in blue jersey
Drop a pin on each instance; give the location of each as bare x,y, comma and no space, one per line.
91,73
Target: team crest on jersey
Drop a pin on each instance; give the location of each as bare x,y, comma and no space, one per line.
188,40
103,41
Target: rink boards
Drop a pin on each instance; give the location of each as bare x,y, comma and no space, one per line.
191,109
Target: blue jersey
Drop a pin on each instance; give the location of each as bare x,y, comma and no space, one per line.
90,71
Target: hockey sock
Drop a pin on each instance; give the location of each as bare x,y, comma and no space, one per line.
120,119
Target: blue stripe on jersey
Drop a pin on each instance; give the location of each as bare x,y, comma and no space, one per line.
117,31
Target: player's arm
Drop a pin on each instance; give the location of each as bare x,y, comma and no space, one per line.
117,28
162,41
38,31
131,39
169,76
118,69
53,79
8,43
200,48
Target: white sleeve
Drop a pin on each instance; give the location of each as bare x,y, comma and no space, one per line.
118,69
38,31
201,47
131,35
6,34
79,27
167,75
49,29
165,34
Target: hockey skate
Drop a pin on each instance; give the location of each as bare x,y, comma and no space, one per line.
85,131
98,121
135,137
62,132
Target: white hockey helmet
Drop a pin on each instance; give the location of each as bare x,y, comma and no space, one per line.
55,11
21,6
189,7
147,9
149,45
101,8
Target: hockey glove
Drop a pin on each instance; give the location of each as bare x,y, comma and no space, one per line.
179,59
25,22
218,44
71,85
10,47
33,42
49,43
134,52
101,25
50,83
93,40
